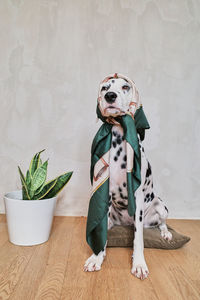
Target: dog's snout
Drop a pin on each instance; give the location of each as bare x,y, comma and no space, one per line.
110,97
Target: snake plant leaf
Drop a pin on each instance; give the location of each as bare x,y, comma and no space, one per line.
39,190
28,179
40,163
39,177
25,193
35,163
61,182
46,189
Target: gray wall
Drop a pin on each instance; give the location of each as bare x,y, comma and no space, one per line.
53,55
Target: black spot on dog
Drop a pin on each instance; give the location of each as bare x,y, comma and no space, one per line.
113,198
125,158
153,224
114,217
114,144
140,218
125,197
147,198
113,81
115,158
135,229
114,207
114,133
148,182
118,152
109,214
152,185
123,206
119,140
143,149
166,209
134,217
148,172
141,212
120,190
152,196
120,213
124,184
121,195
120,149
123,166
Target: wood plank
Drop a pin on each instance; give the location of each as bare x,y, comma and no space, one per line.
54,270
121,283
52,281
3,230
76,282
2,218
13,261
43,277
114,281
188,257
168,277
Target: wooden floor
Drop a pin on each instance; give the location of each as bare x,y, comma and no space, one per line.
54,270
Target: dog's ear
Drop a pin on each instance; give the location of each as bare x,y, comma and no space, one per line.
135,103
136,97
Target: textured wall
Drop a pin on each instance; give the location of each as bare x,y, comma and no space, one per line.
54,53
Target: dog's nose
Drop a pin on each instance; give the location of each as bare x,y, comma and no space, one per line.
110,97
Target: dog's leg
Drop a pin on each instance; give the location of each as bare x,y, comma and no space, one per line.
165,233
162,210
139,268
94,262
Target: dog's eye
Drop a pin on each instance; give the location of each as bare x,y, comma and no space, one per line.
126,87
104,88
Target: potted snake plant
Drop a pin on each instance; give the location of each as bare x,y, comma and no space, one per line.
30,211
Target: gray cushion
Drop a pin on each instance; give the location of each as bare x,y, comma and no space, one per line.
122,236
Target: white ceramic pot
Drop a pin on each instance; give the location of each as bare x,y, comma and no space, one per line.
29,221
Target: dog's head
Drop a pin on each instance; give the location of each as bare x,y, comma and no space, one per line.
117,96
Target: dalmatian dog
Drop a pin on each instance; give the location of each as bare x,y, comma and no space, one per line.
116,95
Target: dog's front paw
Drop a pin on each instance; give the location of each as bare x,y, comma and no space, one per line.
94,262
166,235
140,270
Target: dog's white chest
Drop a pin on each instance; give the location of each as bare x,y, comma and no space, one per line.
117,159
